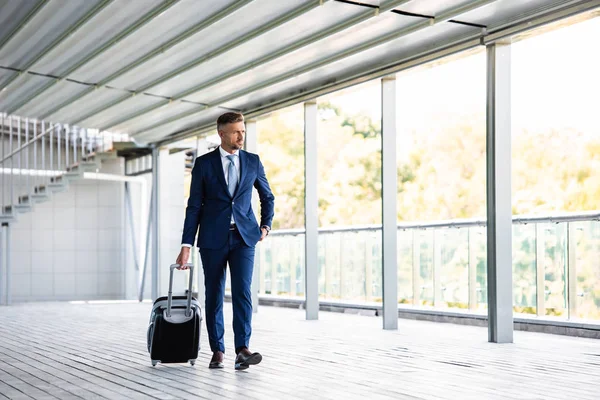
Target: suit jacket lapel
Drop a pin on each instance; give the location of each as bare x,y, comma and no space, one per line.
218,166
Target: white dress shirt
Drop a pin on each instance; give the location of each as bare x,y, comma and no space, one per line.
225,163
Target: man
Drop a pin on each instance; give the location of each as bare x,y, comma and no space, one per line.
220,205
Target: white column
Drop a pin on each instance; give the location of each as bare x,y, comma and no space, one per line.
499,212
311,211
3,251
389,193
201,149
252,147
155,223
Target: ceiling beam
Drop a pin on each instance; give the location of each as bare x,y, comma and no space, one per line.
332,59
152,53
89,15
148,17
23,22
325,33
207,57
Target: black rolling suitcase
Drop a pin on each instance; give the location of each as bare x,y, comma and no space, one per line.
174,331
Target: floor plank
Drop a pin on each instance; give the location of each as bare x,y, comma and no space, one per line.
98,351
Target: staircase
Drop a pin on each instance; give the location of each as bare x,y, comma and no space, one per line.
66,154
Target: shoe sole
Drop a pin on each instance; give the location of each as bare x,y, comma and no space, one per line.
216,366
252,360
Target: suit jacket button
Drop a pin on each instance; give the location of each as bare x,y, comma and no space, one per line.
233,202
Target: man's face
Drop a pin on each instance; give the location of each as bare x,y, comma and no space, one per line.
232,136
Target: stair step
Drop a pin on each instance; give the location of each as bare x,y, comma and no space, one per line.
40,189
85,166
25,200
58,187
71,176
9,214
23,208
57,179
40,198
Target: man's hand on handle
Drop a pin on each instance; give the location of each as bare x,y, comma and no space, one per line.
184,256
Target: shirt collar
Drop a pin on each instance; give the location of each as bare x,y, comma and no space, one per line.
225,154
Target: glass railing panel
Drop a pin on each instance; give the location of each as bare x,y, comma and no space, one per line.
555,269
405,266
524,269
454,267
425,282
587,268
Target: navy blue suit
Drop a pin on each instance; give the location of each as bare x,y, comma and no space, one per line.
209,211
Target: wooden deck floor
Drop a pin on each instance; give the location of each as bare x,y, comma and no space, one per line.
93,351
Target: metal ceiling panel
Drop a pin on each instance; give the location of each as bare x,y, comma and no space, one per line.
47,25
302,28
100,30
87,103
148,121
166,26
208,116
235,25
106,117
505,11
433,7
26,84
394,52
335,45
42,104
13,14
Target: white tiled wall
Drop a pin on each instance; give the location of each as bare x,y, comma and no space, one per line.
72,247
77,246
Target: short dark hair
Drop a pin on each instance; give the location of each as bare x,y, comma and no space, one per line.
229,118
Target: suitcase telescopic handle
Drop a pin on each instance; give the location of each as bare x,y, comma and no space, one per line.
188,309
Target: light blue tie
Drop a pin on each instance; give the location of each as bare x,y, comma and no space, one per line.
231,176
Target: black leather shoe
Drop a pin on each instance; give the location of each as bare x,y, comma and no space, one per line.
245,361
216,361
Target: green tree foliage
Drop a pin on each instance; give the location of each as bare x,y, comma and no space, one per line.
441,176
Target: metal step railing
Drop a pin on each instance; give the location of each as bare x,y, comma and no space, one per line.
38,158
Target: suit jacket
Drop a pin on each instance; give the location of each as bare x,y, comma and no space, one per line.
210,205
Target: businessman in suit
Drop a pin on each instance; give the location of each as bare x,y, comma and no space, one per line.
220,206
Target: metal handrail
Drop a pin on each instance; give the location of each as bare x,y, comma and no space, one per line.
24,146
457,223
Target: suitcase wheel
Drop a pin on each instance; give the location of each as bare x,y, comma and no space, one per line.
192,362
154,362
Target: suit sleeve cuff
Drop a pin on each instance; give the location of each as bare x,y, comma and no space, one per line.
186,245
